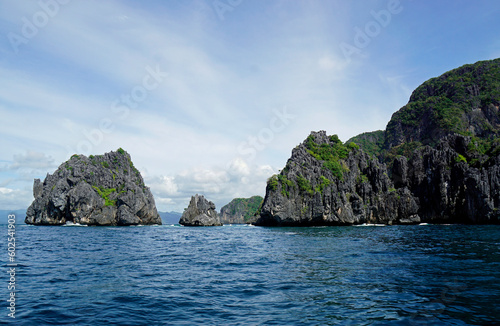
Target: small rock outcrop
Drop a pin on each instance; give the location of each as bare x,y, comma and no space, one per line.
96,190
200,212
241,210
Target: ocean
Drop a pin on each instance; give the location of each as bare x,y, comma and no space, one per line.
244,275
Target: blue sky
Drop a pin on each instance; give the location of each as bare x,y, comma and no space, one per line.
208,96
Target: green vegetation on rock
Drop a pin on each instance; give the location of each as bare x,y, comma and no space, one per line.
105,193
370,142
324,182
247,208
464,101
272,182
304,185
331,154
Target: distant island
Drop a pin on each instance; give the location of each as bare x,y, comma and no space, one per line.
241,210
437,161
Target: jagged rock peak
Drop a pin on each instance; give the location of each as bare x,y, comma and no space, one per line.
96,190
200,212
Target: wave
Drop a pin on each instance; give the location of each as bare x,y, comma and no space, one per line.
69,223
370,224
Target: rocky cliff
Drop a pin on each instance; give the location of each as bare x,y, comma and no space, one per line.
450,182
241,210
437,161
200,212
96,190
328,183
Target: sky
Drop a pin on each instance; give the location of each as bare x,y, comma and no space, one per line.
210,97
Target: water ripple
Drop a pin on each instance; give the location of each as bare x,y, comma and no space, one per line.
163,275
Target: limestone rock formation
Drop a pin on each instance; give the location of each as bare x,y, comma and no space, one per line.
200,212
96,190
437,161
328,183
241,210
450,184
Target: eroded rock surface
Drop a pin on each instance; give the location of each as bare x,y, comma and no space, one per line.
200,212
96,190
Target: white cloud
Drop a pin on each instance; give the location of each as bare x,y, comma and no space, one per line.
32,160
327,62
218,184
27,166
164,186
14,198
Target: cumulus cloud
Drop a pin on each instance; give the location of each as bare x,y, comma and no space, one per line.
164,186
218,184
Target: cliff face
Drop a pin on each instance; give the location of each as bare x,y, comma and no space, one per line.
449,188
241,210
97,190
328,183
437,161
200,212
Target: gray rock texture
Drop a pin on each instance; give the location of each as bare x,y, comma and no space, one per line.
97,190
436,185
449,188
200,212
355,189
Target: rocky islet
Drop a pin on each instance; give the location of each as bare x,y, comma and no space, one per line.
200,212
96,190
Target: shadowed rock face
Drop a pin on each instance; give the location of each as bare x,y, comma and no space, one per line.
97,190
448,187
200,212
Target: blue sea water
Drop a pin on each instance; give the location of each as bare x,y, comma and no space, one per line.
243,275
